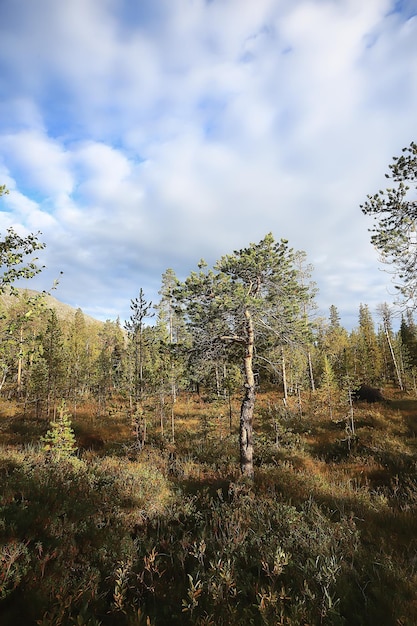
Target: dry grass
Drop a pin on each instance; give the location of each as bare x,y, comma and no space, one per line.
354,498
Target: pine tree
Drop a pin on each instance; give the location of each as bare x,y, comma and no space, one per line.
249,295
171,317
408,349
395,218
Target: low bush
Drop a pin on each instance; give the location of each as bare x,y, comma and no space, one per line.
64,523
167,533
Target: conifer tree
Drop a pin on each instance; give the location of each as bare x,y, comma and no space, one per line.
60,440
78,348
22,323
395,222
368,366
408,333
141,310
54,355
334,342
108,366
251,293
168,311
328,396
408,349
171,318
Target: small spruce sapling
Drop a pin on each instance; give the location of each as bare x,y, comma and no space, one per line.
60,440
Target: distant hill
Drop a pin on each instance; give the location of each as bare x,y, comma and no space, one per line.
63,311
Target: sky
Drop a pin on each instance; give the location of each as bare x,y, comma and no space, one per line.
141,135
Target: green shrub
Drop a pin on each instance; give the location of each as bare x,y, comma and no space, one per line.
64,525
241,559
60,440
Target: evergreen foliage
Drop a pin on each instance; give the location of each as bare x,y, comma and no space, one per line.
60,440
253,292
395,213
135,326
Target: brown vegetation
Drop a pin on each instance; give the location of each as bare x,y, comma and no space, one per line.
169,533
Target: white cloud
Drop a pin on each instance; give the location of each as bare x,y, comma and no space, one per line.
41,162
142,136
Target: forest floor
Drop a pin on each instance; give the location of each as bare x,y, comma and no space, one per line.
169,533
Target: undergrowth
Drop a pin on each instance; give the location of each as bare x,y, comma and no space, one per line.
168,533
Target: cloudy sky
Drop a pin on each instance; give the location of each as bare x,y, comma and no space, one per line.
141,135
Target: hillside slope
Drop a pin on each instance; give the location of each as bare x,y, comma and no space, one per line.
63,311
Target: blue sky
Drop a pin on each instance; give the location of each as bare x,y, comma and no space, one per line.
144,135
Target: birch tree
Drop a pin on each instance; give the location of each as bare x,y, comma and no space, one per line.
18,260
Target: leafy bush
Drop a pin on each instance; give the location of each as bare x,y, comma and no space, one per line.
172,536
64,524
240,559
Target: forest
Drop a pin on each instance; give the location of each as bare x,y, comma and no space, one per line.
224,456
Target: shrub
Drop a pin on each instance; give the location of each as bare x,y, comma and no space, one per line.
64,525
60,440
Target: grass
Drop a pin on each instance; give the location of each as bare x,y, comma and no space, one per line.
171,534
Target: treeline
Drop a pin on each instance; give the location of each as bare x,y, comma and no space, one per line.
45,358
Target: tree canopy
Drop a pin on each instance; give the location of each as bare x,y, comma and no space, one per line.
16,252
249,296
395,222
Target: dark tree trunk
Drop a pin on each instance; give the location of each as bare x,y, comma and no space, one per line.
248,404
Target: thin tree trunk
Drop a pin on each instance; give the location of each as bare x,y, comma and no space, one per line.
310,369
144,432
216,369
284,377
161,408
3,378
173,385
20,364
352,420
172,424
300,404
397,369
248,404
230,412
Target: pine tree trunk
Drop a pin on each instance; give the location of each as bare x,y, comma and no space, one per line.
248,404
